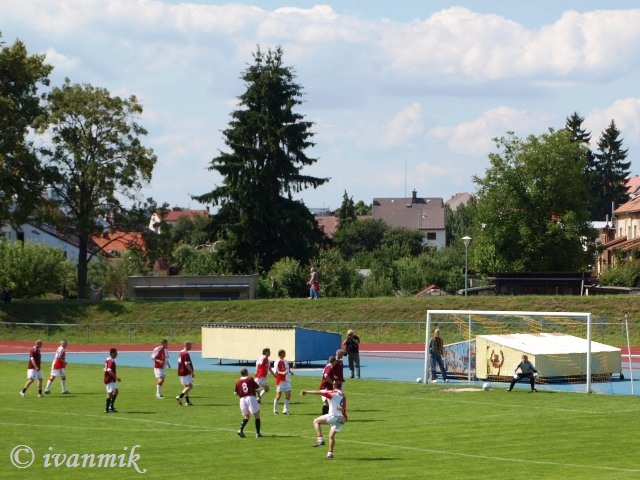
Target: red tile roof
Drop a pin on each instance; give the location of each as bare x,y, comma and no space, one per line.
176,213
632,206
119,241
329,223
633,184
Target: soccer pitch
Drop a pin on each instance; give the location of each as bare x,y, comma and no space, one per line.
395,430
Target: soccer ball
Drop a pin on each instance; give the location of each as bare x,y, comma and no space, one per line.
486,386
419,380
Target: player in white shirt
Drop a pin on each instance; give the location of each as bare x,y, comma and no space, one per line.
336,417
283,382
58,368
160,357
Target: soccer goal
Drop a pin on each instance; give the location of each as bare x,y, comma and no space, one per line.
487,345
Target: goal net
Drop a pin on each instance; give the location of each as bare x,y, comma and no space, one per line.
487,346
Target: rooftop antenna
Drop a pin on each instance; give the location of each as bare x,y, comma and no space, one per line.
405,177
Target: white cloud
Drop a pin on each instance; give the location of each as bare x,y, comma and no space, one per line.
626,114
429,92
404,126
458,42
475,137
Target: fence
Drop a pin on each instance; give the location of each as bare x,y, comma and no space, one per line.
612,332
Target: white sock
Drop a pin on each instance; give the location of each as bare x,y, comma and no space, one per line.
64,385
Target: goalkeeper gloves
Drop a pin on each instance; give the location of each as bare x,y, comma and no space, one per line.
535,375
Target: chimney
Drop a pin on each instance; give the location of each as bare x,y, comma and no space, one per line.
414,196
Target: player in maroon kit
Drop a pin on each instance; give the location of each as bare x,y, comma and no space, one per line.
186,373
246,388
263,369
160,357
58,368
34,372
110,379
327,382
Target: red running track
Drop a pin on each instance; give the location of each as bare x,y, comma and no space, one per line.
12,347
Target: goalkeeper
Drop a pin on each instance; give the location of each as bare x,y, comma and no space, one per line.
527,370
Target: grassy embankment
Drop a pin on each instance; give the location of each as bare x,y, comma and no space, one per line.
377,320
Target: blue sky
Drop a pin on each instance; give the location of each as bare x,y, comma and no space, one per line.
404,95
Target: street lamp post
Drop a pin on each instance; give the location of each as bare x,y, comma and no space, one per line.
466,241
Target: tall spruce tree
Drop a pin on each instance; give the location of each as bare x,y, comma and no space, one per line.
578,134
258,220
611,171
347,211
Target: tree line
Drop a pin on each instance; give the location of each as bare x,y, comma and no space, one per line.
532,211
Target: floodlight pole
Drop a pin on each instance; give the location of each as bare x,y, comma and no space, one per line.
466,241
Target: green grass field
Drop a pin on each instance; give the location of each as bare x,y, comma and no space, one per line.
395,430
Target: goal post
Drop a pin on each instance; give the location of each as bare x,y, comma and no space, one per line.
469,324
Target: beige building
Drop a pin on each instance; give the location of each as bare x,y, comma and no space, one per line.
194,287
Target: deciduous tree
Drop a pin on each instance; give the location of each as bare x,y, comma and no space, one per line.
96,158
21,181
532,207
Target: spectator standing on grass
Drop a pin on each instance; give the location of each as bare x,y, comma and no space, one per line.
327,382
160,357
58,368
34,372
246,389
186,373
352,348
314,284
283,374
335,417
110,381
263,369
436,352
527,370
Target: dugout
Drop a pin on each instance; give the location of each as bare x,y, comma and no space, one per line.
245,343
557,356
